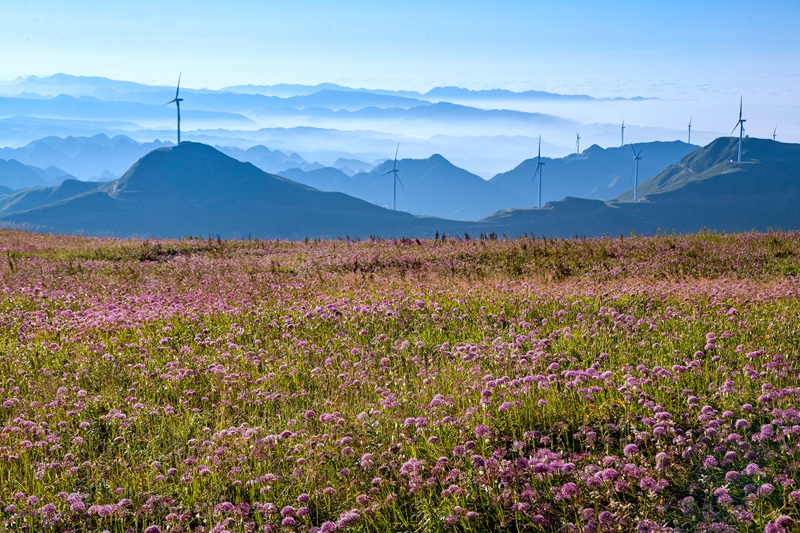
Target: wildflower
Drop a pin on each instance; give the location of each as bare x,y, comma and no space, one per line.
568,490
482,430
348,518
630,449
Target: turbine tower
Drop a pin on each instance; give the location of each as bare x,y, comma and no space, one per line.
690,131
395,179
577,145
775,133
177,101
636,158
538,171
623,132
739,125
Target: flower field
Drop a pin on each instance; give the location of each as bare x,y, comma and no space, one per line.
598,385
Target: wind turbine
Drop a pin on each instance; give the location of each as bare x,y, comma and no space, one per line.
395,179
636,158
623,132
739,125
177,101
577,145
775,133
690,131
538,171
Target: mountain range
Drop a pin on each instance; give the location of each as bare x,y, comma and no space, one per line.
193,189
486,131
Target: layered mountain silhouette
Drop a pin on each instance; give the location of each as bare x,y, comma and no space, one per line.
597,173
271,161
440,112
96,157
431,186
194,189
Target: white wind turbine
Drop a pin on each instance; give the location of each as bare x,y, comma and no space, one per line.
636,158
775,133
622,130
690,131
538,171
177,101
577,145
739,125
395,178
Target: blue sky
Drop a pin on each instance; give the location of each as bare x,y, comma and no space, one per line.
677,49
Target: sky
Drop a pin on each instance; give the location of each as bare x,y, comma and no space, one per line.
681,49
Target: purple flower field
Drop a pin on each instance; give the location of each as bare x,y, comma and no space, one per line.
458,384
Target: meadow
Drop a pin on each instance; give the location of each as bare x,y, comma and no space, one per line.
456,384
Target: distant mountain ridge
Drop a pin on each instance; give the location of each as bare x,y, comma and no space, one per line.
432,186
15,175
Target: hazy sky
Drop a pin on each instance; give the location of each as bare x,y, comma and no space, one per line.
672,49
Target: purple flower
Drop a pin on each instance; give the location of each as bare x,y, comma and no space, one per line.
630,449
152,529
348,518
568,490
482,430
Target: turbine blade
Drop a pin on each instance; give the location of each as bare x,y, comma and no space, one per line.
399,181
179,85
740,108
632,150
734,128
540,147
690,120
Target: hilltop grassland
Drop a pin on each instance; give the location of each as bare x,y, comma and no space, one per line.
597,385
